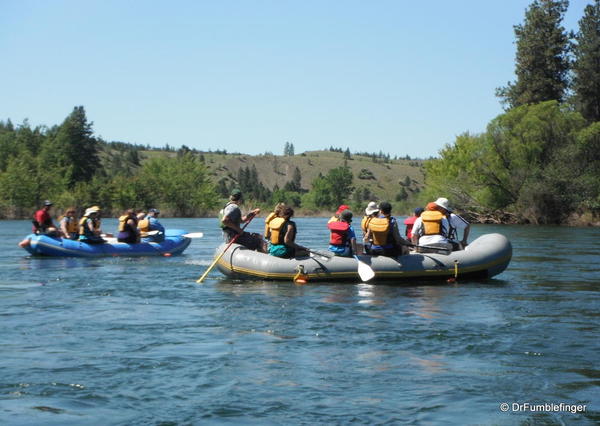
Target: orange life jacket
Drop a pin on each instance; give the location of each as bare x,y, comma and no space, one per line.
380,229
277,230
432,222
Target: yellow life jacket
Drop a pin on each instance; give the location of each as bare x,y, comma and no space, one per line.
432,222
268,219
82,227
275,228
380,229
72,225
364,223
144,227
123,221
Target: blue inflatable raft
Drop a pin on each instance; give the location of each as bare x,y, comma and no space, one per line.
43,245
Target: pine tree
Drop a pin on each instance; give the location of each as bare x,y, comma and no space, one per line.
542,60
586,67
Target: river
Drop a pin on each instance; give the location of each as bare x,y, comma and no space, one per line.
120,341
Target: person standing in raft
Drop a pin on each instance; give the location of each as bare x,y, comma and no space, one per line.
231,219
150,223
128,230
371,211
383,230
69,225
337,214
342,239
456,222
89,227
42,221
282,236
410,221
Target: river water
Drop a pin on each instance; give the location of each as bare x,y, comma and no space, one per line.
121,341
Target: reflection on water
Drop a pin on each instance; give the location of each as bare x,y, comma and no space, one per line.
137,341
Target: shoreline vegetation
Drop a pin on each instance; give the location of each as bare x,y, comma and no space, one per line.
536,163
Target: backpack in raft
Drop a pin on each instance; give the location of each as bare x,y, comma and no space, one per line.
339,233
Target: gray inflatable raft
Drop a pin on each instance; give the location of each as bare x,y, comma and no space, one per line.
486,256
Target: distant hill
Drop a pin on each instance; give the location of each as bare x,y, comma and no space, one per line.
397,180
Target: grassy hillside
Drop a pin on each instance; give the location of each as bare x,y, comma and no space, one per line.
383,179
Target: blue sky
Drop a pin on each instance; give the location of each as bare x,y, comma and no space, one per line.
403,77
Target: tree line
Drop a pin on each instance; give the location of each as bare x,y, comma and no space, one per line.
537,162
67,164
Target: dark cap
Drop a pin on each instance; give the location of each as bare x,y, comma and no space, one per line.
154,211
346,215
236,194
48,203
385,207
418,211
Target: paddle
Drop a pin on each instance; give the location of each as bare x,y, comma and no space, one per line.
194,235
223,252
364,271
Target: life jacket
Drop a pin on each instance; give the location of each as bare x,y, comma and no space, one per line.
333,218
83,229
380,230
409,222
144,227
364,223
277,230
268,219
72,225
432,222
339,233
123,222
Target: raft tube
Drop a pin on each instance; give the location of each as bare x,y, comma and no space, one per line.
43,245
485,257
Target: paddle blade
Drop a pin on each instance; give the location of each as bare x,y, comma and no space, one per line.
194,235
365,272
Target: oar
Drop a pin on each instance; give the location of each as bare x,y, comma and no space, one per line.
194,235
364,271
223,252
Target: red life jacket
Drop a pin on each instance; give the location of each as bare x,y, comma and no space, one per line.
409,222
339,233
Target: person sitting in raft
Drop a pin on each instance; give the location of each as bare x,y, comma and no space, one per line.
336,215
277,212
89,227
42,221
410,221
457,223
128,230
431,228
69,225
231,219
342,239
149,224
383,230
371,211
282,236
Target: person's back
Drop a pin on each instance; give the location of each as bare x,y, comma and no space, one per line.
431,228
383,230
282,235
128,230
342,239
